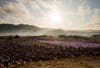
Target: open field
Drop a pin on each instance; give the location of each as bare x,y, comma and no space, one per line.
49,51
49,33
79,62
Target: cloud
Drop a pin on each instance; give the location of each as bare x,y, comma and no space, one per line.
95,20
75,13
14,13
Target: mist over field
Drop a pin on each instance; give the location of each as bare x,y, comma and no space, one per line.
49,33
30,30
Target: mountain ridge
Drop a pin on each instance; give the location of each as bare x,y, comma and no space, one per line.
31,30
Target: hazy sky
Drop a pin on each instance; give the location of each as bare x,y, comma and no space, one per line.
65,14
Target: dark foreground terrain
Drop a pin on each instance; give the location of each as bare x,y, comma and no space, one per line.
76,62
49,52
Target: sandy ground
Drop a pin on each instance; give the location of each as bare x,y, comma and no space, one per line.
79,62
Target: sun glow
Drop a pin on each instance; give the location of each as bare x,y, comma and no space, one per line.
55,17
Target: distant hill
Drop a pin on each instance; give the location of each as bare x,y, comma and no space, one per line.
11,27
21,29
31,30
